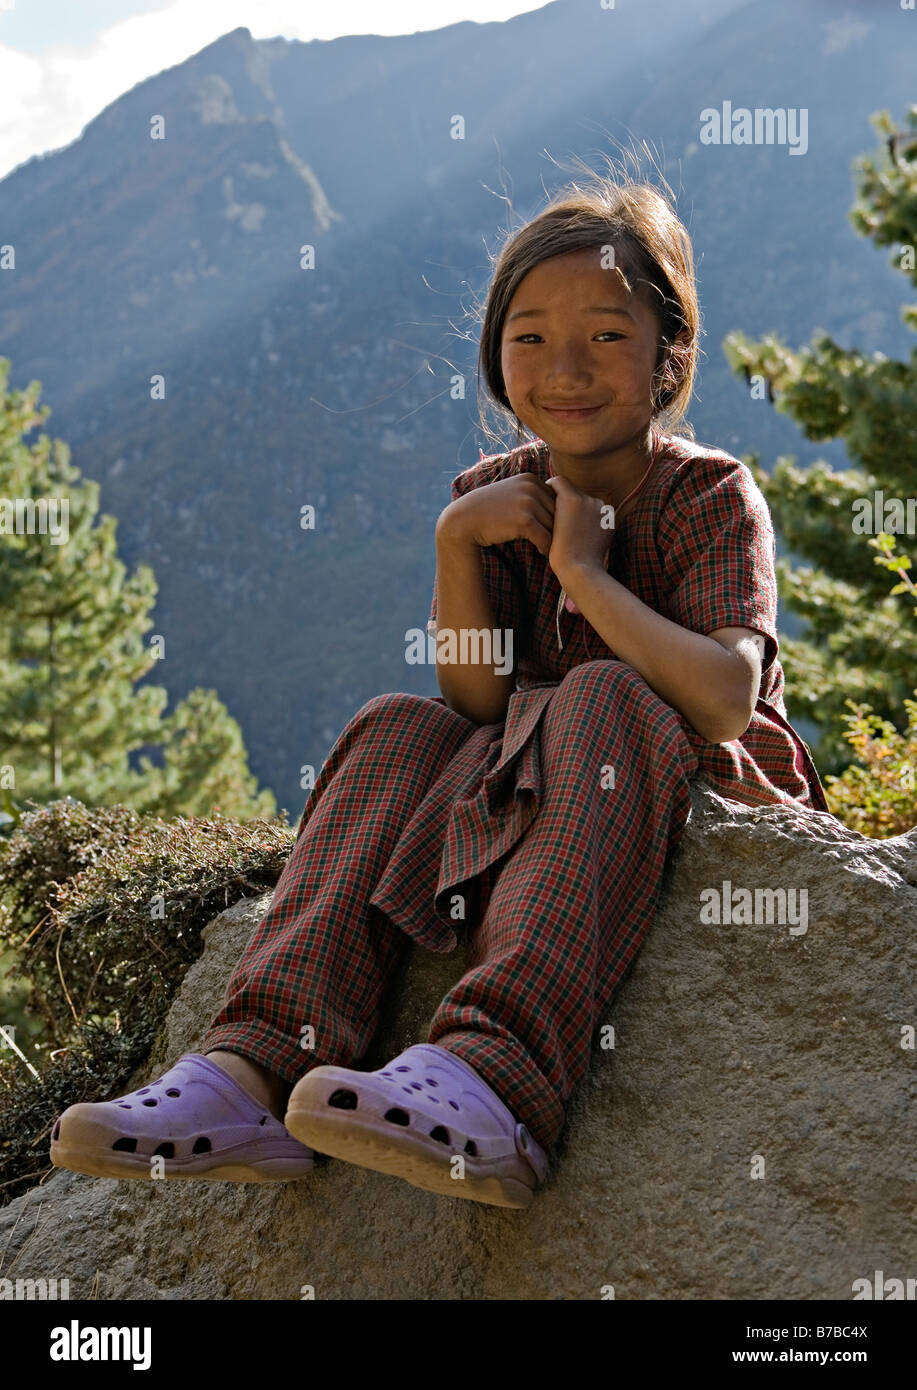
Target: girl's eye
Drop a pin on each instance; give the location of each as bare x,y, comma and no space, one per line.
609,333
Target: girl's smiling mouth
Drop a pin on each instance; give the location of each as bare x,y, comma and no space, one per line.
572,412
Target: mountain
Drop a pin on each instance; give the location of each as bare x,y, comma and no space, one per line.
284,386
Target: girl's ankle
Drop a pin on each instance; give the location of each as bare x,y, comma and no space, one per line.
262,1085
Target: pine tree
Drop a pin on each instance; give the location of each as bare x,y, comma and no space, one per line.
859,642
204,767
72,651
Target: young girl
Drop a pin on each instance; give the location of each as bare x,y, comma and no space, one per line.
635,571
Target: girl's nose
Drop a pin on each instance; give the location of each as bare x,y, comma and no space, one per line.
567,369
567,384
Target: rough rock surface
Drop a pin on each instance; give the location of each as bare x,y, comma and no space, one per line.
734,1043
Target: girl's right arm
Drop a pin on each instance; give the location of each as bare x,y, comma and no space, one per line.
520,507
475,691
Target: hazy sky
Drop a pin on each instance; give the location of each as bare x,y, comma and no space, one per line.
63,61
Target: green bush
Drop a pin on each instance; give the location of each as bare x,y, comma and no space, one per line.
877,796
103,909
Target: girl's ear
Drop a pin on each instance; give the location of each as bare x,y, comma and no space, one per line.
682,337
667,352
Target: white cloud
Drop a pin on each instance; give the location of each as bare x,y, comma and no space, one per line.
24,108
49,98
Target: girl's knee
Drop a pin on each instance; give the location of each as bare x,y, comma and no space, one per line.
392,702
608,673
401,709
640,715
611,683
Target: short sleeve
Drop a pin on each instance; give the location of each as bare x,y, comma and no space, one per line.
719,551
502,579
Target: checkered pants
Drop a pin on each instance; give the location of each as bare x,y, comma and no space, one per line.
555,861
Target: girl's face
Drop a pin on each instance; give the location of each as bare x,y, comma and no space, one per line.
574,337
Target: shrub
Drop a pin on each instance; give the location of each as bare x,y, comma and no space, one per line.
877,798
103,909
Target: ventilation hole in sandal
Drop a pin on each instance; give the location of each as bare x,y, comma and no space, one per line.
173,1092
124,1105
407,1089
453,1104
385,1073
430,1082
166,1150
441,1133
471,1148
128,1146
202,1145
151,1102
343,1100
402,1068
398,1117
416,1086
56,1135
144,1091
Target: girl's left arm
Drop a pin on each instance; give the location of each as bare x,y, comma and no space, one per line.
713,681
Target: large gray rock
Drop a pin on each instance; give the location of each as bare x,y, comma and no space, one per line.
739,1049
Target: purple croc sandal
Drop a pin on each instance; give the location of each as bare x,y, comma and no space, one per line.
194,1122
428,1117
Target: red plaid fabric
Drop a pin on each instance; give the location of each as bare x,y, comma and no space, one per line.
698,547
545,836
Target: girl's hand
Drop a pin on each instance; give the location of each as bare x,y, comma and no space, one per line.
519,508
579,538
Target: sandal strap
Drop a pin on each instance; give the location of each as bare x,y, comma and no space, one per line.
506,1133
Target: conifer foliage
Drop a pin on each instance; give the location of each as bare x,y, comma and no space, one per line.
858,653
72,651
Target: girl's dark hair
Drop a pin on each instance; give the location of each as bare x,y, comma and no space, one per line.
653,258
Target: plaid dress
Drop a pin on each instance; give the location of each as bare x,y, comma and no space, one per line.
699,548
543,837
